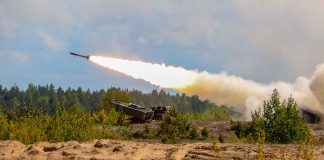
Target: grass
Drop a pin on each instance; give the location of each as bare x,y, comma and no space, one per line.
64,125
215,114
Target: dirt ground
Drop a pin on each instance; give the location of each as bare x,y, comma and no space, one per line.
216,128
152,149
123,150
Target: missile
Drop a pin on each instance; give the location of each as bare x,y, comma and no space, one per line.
79,55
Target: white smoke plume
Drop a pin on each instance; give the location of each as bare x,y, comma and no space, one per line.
317,84
247,95
244,95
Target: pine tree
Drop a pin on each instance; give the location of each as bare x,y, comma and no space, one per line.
281,121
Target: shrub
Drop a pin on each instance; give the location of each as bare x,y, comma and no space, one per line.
64,125
204,133
260,146
70,125
281,122
116,94
29,129
121,132
242,129
217,148
110,118
232,138
193,133
4,127
306,150
221,138
215,113
146,129
173,127
146,133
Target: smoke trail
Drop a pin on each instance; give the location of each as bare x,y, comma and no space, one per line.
247,96
244,95
317,84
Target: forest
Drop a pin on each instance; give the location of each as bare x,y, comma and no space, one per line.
48,97
46,113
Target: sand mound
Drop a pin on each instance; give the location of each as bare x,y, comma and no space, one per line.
121,150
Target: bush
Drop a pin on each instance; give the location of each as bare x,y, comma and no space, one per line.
111,118
121,132
245,131
173,127
4,127
204,133
116,94
70,125
221,138
146,129
29,129
215,113
232,138
281,122
193,133
73,124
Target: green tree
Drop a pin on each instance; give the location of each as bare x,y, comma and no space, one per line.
173,127
110,118
4,127
281,122
116,94
73,124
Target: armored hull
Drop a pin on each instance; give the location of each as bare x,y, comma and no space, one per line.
311,117
137,113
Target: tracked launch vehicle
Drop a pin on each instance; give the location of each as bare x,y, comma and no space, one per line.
311,117
139,114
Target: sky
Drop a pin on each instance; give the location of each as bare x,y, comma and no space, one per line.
263,41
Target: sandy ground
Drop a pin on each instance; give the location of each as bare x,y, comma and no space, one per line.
123,150
152,149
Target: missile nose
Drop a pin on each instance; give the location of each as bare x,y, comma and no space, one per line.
73,54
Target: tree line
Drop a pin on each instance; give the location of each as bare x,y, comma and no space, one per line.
47,98
46,113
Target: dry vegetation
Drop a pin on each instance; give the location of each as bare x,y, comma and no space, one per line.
206,135
117,149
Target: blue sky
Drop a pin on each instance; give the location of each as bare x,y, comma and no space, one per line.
264,41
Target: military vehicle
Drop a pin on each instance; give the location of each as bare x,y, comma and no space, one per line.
159,111
310,116
139,114
135,112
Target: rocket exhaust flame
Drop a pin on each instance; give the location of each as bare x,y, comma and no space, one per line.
244,95
157,74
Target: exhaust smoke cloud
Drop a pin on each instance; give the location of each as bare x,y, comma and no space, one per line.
244,95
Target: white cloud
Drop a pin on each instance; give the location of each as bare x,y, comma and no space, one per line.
288,31
188,31
51,41
20,57
8,27
13,57
254,36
